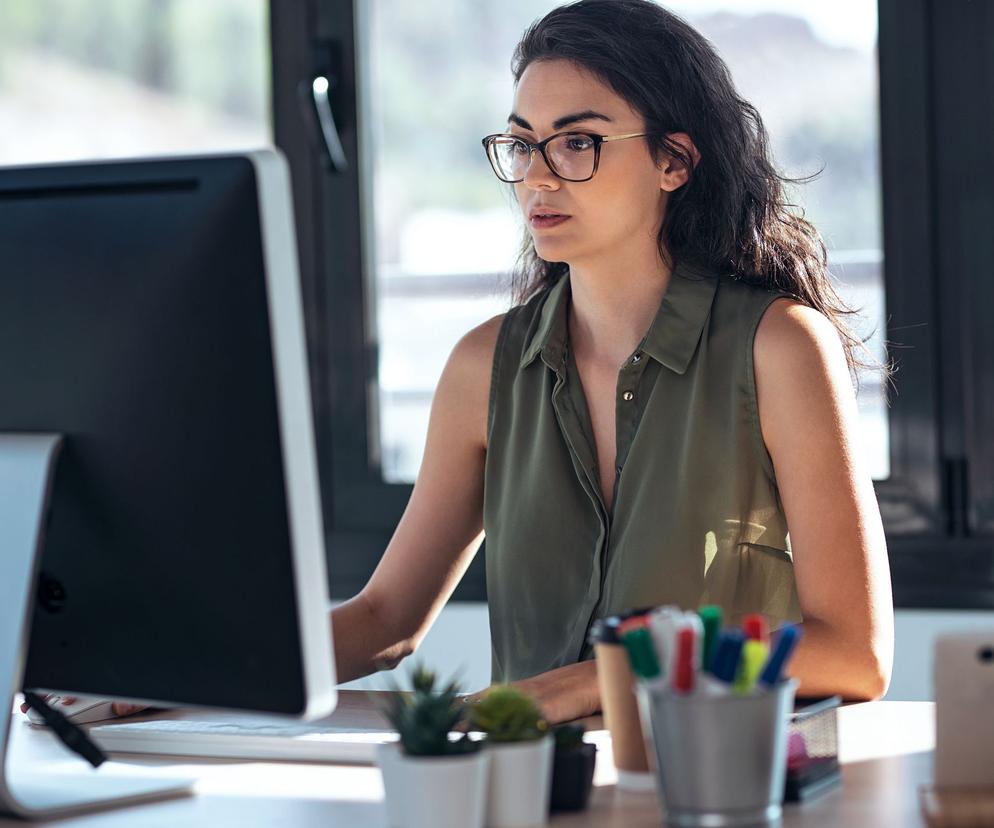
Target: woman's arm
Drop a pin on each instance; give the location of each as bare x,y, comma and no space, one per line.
441,527
810,423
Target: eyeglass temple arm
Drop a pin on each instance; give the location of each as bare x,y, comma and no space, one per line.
605,138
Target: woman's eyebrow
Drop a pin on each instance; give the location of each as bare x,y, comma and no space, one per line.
559,123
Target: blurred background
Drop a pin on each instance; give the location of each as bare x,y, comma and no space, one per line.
103,79
430,234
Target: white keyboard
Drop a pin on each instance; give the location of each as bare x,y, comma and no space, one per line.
300,741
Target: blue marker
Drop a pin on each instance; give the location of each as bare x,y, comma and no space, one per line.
788,638
727,653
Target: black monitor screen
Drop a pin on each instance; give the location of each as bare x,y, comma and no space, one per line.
134,321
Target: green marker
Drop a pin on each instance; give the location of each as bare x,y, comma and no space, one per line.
711,619
641,652
754,655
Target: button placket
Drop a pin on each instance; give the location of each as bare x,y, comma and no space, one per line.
631,374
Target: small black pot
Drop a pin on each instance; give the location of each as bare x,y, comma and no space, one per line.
572,778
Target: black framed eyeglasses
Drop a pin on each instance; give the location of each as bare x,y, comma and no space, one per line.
572,156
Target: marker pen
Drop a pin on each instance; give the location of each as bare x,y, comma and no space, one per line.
727,653
693,621
631,623
754,655
755,627
710,615
684,672
788,638
637,641
663,624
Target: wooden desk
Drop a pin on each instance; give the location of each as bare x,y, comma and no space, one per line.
885,749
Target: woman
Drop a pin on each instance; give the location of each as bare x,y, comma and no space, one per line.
670,393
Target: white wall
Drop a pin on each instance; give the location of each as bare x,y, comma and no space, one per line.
460,640
914,636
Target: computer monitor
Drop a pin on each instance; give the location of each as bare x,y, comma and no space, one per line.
154,393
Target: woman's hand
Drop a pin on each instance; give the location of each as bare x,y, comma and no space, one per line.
119,708
563,694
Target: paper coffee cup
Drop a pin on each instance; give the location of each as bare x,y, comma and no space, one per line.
619,705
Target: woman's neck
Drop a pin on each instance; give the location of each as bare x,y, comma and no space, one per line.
611,310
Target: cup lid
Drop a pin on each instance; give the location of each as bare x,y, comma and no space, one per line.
605,630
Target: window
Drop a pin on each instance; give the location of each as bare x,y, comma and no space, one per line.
901,203
811,71
97,79
445,233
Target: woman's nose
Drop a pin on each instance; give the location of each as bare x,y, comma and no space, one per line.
538,173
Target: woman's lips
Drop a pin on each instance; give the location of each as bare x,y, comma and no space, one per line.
543,222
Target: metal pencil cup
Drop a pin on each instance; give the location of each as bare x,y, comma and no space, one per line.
720,761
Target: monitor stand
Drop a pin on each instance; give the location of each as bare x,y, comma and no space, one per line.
28,788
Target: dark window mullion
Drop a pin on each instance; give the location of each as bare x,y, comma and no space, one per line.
343,266
964,128
911,500
935,228
360,509
291,29
309,38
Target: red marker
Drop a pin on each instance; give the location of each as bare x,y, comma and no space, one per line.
683,676
755,628
633,623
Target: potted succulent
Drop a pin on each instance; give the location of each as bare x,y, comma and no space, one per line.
572,769
520,744
431,779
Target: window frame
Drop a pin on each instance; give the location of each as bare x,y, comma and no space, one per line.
925,505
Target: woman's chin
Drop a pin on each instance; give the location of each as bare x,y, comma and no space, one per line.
544,243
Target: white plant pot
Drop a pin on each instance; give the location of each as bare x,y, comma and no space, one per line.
520,782
434,791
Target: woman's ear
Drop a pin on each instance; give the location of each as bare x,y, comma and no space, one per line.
673,172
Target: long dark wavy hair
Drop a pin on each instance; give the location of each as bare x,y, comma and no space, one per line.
732,214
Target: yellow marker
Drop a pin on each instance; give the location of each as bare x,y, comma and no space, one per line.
754,655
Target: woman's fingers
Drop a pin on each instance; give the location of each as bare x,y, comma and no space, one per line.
45,696
119,708
123,709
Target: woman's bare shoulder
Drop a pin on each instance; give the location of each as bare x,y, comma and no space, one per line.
465,382
477,345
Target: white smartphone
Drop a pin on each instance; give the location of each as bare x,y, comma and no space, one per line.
963,676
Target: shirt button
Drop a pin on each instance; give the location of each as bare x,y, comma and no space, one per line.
636,358
628,396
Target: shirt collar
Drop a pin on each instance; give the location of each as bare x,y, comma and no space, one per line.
671,339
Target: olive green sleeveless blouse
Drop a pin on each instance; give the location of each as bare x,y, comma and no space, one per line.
696,515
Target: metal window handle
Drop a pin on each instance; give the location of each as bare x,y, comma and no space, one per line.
329,131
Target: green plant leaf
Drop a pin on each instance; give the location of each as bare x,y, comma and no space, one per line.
506,714
425,717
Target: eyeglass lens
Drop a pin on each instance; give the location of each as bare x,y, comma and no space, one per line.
570,155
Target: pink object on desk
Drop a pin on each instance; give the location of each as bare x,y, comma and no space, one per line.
797,752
